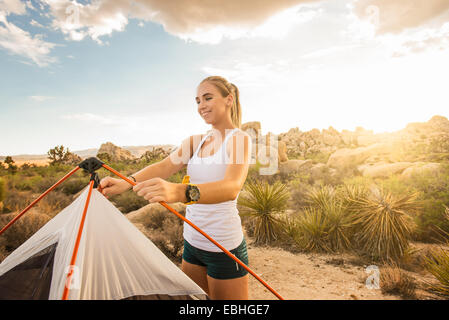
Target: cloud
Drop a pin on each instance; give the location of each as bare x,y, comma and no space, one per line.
20,42
95,19
41,98
402,27
394,16
197,20
13,6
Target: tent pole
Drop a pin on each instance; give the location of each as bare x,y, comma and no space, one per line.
78,239
39,198
203,233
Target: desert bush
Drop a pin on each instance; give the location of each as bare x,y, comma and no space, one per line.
434,195
2,189
16,201
384,223
22,229
263,202
325,225
311,231
73,185
53,202
162,227
393,280
299,187
438,265
128,201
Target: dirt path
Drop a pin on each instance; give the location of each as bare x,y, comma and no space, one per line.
303,276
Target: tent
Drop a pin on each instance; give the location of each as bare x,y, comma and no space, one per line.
111,259
114,261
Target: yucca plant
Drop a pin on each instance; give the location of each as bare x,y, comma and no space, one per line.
438,265
335,219
263,202
313,231
384,223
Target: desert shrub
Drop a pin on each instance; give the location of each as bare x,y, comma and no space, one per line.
73,185
53,202
325,225
299,187
311,231
318,157
383,222
438,265
393,280
128,201
16,201
263,202
2,189
434,195
162,227
22,229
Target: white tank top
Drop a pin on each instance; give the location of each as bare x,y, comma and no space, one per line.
221,220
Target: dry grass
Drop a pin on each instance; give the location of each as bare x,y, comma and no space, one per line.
393,280
23,228
162,227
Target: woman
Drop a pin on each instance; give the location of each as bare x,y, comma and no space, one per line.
217,164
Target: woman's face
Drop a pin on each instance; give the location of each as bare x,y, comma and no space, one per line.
212,107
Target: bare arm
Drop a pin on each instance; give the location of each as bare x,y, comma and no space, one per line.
176,161
157,189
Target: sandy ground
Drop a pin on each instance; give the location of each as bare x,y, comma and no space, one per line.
38,162
301,276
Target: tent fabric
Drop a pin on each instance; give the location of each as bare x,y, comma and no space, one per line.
115,260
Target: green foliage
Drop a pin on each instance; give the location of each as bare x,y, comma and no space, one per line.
62,155
2,189
433,191
128,201
325,224
22,229
438,265
384,222
263,202
12,168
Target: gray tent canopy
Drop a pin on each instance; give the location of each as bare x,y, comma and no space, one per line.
114,260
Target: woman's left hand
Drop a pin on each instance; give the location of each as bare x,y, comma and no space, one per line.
157,189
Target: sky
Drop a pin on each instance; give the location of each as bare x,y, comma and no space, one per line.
82,73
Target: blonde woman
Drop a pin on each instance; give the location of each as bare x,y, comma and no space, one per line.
217,163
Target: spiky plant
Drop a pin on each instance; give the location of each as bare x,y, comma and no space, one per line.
438,265
385,224
313,231
263,202
321,197
334,216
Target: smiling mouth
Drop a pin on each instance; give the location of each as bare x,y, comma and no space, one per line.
205,113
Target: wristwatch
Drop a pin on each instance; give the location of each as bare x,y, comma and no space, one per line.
192,194
192,191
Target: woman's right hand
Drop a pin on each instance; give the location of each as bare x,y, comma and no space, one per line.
111,186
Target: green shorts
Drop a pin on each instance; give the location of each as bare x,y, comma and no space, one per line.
219,265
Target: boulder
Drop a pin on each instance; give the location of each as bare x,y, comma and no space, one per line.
347,157
384,170
418,168
295,166
115,153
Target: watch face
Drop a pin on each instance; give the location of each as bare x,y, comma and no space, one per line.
194,193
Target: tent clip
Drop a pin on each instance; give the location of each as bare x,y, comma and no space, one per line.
91,165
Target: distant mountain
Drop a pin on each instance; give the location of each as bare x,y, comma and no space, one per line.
136,151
